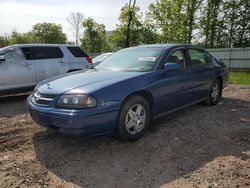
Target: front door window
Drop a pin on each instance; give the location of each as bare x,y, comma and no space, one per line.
14,56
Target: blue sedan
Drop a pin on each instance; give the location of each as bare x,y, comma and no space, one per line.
128,90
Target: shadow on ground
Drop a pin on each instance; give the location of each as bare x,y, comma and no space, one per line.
13,105
176,145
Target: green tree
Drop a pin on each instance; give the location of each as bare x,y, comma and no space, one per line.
243,29
148,33
16,38
94,37
225,23
129,15
175,20
21,38
48,33
211,22
191,7
129,30
4,41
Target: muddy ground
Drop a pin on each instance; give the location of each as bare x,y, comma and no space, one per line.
199,146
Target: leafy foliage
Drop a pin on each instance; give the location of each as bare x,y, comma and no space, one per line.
209,23
4,41
123,36
132,31
94,37
48,33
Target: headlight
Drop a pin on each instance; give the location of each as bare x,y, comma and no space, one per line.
76,101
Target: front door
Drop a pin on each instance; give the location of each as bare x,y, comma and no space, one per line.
175,87
16,71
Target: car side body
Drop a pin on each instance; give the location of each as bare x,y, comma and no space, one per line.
166,88
22,66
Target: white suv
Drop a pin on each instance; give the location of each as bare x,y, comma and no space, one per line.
23,66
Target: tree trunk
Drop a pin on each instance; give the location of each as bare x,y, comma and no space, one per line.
244,25
232,18
130,19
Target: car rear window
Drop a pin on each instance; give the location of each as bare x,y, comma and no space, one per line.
77,52
34,53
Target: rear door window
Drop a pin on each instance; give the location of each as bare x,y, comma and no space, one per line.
198,57
77,51
36,53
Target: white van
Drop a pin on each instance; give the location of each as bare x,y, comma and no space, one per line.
23,66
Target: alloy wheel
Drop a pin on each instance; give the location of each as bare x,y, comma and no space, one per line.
215,92
135,119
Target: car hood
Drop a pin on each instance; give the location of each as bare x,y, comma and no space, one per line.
64,83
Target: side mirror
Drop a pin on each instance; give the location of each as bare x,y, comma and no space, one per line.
2,58
169,66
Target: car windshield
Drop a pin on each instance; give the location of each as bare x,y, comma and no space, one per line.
3,50
140,59
101,57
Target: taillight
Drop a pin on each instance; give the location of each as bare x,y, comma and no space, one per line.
89,59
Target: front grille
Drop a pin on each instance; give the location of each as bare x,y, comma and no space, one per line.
43,99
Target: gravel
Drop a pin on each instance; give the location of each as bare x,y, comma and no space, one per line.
199,146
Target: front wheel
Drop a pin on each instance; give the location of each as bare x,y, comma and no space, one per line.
214,94
134,119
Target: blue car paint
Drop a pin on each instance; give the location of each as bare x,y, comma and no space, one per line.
176,89
74,122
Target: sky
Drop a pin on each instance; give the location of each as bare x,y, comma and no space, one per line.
23,14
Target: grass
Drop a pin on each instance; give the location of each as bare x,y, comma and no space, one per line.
239,78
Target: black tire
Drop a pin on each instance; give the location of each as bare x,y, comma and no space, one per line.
132,128
74,70
214,93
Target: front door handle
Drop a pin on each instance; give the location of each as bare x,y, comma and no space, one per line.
63,61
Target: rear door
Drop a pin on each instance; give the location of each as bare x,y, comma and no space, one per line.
200,63
16,71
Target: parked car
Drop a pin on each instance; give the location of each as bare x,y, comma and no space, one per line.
100,58
23,66
127,90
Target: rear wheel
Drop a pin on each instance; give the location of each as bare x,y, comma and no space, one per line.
214,94
134,119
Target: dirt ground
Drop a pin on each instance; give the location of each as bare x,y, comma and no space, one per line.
199,146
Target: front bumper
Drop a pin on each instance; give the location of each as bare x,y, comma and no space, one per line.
87,122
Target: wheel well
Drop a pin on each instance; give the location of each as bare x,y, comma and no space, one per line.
73,70
220,80
145,94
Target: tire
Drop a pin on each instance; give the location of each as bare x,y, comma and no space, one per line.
214,93
134,119
73,70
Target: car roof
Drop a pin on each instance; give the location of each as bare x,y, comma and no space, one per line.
167,45
43,45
